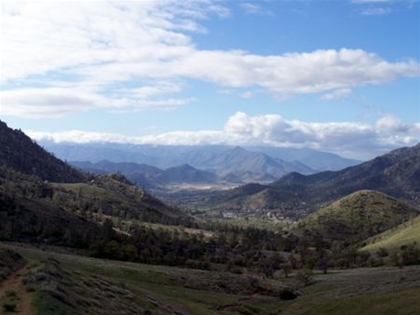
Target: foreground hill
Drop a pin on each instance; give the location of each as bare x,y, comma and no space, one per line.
71,284
21,153
396,174
35,221
358,216
72,214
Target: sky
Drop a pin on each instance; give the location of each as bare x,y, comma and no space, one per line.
340,76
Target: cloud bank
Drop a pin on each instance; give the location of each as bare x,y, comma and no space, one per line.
141,54
355,140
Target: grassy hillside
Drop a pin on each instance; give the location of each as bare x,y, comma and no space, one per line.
404,234
91,216
358,216
113,195
65,284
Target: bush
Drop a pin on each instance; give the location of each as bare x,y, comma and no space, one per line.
11,294
9,306
411,255
305,277
287,294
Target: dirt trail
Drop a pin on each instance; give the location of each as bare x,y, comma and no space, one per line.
14,283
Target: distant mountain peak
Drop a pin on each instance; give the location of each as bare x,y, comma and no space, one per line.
395,174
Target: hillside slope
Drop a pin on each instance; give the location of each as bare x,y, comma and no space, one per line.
40,193
402,235
395,173
358,216
21,153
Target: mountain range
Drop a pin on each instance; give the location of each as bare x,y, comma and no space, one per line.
45,201
396,173
227,163
148,176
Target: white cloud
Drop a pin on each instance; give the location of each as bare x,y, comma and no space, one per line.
351,139
336,94
42,102
105,46
288,74
66,99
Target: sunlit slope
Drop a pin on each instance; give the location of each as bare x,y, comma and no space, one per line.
358,216
406,233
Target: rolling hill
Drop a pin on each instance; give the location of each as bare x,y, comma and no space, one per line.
358,216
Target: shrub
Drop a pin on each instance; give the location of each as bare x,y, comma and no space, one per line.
287,294
9,306
11,294
305,277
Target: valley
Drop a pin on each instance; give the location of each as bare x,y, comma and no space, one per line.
210,157
92,241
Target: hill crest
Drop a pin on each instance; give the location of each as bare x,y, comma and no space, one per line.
21,153
358,216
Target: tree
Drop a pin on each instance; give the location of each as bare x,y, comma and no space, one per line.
305,277
287,268
108,232
324,260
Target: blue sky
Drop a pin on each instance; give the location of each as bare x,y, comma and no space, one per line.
340,76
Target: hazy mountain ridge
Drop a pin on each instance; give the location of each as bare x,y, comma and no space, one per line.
256,164
395,174
149,176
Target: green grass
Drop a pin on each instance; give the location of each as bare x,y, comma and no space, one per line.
406,233
358,216
402,302
46,305
82,285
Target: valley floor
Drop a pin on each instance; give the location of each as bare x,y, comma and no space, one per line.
62,283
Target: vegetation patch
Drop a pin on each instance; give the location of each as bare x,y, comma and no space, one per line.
10,261
10,301
404,234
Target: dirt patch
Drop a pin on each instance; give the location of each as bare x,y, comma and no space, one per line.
14,298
